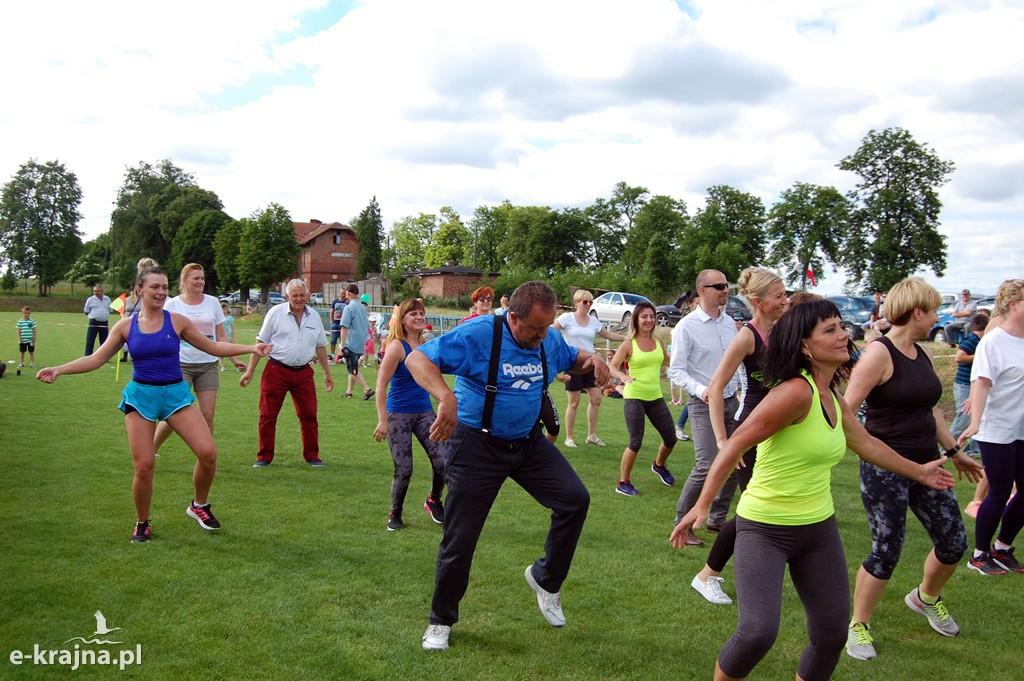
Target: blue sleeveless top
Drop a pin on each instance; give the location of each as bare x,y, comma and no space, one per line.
154,355
405,395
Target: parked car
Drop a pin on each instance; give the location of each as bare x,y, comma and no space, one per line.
235,296
736,307
938,332
854,311
275,298
616,307
317,298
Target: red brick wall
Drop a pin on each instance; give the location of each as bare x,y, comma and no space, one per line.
328,261
449,285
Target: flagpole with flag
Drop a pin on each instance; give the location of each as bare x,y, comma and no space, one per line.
810,274
118,307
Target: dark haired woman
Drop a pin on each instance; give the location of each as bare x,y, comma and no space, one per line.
801,428
643,396
158,393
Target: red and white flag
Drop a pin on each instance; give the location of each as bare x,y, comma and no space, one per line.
810,274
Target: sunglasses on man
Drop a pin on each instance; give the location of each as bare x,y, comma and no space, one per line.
717,287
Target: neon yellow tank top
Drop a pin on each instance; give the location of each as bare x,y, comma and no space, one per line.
645,368
792,480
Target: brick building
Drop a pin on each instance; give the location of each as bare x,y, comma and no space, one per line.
328,253
451,281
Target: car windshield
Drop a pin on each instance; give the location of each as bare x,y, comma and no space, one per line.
632,299
862,303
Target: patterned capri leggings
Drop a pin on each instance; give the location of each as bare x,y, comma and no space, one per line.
886,497
401,428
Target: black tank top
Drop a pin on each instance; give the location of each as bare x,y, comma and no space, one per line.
753,364
899,412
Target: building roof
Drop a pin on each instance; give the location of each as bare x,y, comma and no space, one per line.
450,269
307,231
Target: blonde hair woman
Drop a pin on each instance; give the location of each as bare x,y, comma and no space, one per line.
579,329
201,370
997,419
896,377
407,411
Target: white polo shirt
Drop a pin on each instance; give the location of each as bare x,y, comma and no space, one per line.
295,341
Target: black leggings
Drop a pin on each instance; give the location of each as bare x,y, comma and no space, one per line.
657,412
817,567
725,543
1004,466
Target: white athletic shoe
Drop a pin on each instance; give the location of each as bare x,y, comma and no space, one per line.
711,590
550,604
436,637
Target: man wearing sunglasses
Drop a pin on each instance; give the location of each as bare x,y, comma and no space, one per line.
698,345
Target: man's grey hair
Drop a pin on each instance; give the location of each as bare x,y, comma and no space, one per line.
295,283
532,293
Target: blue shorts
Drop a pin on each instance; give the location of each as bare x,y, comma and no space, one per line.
155,402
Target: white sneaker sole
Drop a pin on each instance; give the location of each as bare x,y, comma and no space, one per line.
551,618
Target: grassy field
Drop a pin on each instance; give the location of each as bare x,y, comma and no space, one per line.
305,582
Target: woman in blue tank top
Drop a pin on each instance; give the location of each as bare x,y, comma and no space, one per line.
407,411
158,393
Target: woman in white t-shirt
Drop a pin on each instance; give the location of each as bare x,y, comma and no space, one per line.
579,328
997,421
199,369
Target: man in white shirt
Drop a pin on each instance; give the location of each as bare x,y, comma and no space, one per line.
961,312
699,341
297,334
97,310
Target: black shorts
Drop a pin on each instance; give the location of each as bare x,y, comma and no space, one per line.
580,382
351,361
26,347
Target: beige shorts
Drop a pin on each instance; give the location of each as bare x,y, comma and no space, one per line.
201,377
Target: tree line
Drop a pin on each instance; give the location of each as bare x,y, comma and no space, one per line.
883,230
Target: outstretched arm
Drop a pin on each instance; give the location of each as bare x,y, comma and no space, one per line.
115,339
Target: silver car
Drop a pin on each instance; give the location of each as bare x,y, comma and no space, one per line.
616,307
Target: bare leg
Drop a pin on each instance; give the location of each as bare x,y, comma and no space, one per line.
866,595
593,406
188,423
570,412
140,442
663,454
626,467
936,574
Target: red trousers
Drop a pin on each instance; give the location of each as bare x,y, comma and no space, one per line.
277,381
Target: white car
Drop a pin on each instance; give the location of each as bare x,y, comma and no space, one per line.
616,307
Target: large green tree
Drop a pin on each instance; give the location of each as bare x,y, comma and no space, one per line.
369,229
93,264
154,201
39,222
727,235
808,226
225,258
664,218
489,227
613,219
196,242
409,239
897,209
449,242
267,250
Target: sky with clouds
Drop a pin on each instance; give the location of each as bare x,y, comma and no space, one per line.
319,105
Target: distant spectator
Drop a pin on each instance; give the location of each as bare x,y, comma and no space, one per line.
97,311
961,312
26,328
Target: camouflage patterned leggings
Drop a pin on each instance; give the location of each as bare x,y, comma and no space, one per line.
886,497
401,428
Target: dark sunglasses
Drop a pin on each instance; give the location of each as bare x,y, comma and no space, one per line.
717,287
485,298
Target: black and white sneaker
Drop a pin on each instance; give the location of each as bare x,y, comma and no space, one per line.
395,522
435,509
203,516
140,534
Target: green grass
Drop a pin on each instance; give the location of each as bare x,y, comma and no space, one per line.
305,582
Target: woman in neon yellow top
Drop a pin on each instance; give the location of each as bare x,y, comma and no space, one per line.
786,516
646,356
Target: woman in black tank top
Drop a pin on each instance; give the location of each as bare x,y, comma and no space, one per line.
896,377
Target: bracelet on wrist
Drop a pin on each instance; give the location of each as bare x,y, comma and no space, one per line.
950,452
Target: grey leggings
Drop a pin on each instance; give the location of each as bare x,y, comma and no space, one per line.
634,411
401,428
817,567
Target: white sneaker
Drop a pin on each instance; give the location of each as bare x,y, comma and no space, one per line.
436,637
680,434
550,603
711,590
570,443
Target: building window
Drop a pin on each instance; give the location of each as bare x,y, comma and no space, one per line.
306,259
337,237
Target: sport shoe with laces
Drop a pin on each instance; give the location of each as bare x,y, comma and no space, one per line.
140,534
938,616
664,474
986,565
550,604
626,487
711,589
859,644
203,516
1005,558
436,637
435,509
395,521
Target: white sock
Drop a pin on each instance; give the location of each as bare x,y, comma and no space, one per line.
977,553
1001,546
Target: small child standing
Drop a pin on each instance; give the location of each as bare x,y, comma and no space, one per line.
370,351
229,331
26,327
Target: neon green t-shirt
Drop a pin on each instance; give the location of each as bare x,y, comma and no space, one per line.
792,480
645,368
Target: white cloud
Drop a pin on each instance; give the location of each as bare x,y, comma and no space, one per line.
460,102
